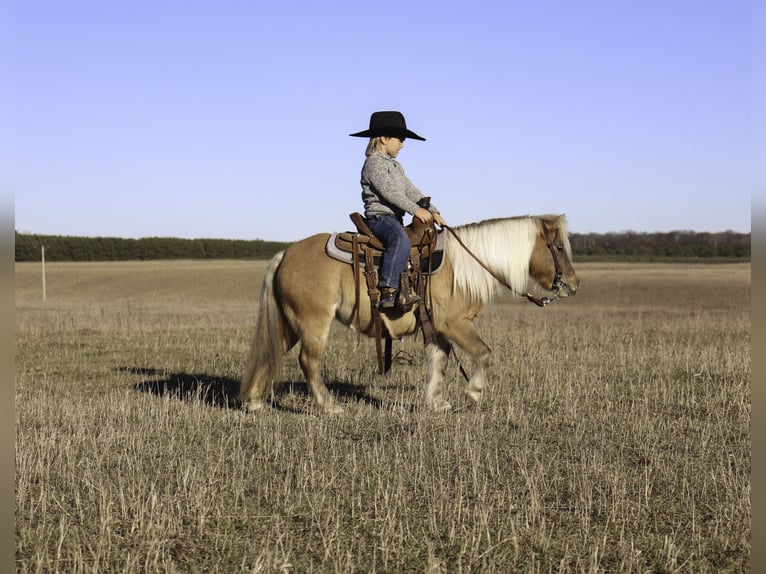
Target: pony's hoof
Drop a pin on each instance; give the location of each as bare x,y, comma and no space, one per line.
475,396
253,405
328,406
441,406
332,409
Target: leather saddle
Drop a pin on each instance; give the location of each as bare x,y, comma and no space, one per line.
422,237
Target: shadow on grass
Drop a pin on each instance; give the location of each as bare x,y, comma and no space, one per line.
222,392
214,391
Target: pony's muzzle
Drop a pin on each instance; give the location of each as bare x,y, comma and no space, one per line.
565,289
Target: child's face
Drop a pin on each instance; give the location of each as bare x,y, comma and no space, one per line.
392,145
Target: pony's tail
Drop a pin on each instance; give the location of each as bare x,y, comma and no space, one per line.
269,343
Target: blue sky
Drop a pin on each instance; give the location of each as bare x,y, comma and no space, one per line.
230,119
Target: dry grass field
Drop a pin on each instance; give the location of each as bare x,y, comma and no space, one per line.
614,435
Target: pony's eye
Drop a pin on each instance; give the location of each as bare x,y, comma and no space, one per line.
560,247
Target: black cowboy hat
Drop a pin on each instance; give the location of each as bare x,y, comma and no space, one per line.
389,124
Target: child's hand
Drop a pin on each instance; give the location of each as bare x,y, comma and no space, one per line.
423,215
439,220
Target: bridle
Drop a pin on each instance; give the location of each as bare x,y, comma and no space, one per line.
556,285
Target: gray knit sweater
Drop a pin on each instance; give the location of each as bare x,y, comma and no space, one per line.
386,190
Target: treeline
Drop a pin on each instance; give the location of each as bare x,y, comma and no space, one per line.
625,246
676,245
67,248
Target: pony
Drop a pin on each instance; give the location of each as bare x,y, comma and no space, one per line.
304,290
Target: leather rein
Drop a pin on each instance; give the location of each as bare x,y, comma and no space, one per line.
555,287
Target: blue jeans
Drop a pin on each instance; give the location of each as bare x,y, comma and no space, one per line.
391,233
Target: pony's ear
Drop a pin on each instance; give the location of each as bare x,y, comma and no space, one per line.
558,221
555,221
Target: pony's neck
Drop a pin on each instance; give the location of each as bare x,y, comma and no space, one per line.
502,245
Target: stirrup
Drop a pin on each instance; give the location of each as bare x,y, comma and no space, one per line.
407,299
407,295
387,298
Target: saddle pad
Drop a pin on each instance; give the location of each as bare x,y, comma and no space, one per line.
333,251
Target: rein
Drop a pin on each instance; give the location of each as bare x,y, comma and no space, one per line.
555,287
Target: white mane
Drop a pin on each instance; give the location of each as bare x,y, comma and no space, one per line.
503,245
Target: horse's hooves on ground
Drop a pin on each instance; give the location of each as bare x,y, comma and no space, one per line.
441,407
332,409
475,396
253,405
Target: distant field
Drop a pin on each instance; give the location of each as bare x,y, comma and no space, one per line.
614,435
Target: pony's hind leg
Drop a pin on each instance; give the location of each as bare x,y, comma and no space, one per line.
252,390
256,385
263,365
314,330
310,358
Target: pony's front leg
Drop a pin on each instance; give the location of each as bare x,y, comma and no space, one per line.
476,383
465,335
438,353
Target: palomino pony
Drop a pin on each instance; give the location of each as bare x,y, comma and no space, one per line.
304,290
